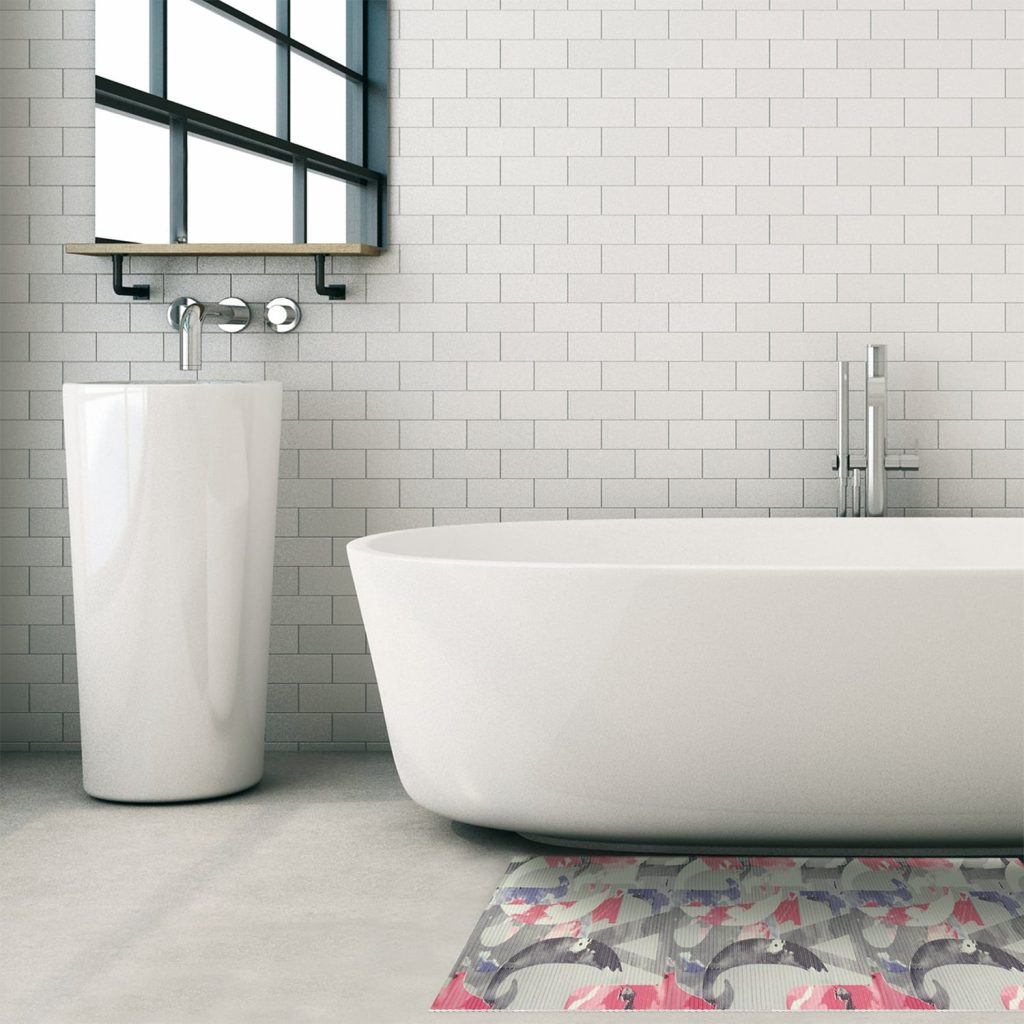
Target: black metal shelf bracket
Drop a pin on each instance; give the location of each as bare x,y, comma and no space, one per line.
136,291
332,291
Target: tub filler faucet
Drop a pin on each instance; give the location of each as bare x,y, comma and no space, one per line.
875,460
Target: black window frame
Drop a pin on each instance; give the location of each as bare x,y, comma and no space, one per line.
367,129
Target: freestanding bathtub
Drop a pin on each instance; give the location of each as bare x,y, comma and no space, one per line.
708,683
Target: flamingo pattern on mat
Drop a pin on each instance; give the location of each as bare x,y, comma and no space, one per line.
747,933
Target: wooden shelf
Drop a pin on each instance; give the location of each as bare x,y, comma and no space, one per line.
118,250
223,249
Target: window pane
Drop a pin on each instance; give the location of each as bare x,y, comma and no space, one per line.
122,42
323,26
132,179
327,208
217,65
322,105
235,196
261,10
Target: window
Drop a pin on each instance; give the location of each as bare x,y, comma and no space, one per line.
258,120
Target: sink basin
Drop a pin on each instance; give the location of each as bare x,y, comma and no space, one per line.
172,492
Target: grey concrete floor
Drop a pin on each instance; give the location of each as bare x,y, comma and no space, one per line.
324,894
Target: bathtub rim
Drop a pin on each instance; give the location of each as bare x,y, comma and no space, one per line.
370,545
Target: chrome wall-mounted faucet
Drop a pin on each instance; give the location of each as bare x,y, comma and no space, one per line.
875,461
187,316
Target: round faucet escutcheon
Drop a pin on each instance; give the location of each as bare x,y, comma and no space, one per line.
176,308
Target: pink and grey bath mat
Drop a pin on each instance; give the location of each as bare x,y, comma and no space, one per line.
747,933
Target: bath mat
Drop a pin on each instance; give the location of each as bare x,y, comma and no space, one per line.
747,933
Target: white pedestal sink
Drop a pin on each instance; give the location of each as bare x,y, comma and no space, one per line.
172,490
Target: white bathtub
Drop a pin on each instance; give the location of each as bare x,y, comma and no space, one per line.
754,683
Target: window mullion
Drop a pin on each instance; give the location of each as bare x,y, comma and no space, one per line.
284,88
179,179
299,199
375,117
363,30
356,28
283,70
158,47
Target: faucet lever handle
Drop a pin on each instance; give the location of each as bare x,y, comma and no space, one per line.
282,315
906,462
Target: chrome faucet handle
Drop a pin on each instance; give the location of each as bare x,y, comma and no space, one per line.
282,315
905,462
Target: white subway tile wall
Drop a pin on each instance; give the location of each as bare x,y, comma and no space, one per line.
629,242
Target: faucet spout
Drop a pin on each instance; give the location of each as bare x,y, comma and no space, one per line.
875,414
190,332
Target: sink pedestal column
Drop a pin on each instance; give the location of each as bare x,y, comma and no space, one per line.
172,493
